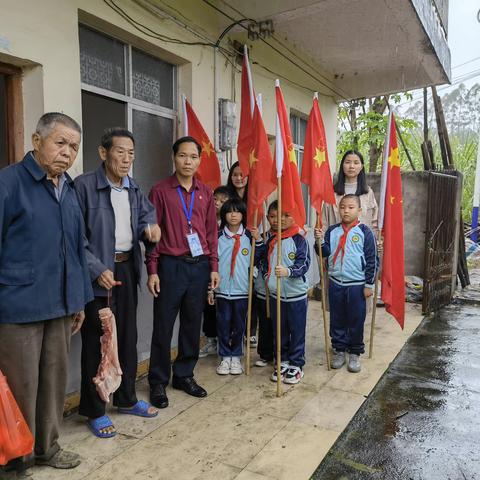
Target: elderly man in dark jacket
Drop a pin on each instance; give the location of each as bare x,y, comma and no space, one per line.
44,282
117,217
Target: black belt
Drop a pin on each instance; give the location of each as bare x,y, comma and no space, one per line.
123,256
189,259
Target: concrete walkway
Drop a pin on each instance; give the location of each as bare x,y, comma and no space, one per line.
241,430
422,421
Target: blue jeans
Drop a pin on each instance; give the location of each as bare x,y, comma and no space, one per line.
347,317
231,323
293,325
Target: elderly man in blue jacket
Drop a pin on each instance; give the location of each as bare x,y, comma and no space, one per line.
44,282
117,217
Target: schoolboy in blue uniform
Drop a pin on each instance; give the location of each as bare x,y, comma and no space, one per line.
234,250
294,265
352,261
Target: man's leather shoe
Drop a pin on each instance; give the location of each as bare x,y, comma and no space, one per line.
158,397
190,386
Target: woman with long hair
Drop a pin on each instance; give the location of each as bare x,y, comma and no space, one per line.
351,179
237,183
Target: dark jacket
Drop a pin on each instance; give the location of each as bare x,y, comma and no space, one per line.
43,269
93,191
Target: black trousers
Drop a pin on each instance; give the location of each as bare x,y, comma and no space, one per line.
265,330
210,321
124,306
183,289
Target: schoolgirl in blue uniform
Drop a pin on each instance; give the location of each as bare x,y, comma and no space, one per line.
234,250
350,248
295,262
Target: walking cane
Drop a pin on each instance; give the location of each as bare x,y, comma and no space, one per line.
322,284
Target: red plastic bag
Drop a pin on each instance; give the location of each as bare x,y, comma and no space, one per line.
16,440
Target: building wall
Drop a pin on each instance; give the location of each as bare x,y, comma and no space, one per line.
43,40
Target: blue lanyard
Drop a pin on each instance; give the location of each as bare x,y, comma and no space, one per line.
188,213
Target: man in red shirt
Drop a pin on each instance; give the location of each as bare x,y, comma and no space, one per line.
180,268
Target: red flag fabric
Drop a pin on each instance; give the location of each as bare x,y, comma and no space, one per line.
260,163
245,131
315,166
393,268
209,170
286,163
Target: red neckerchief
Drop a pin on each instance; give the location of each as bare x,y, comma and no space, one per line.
289,232
236,248
343,240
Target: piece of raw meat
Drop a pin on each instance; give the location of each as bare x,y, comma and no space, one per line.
109,374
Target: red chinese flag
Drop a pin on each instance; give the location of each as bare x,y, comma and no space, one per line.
245,131
286,163
209,170
391,225
315,166
260,164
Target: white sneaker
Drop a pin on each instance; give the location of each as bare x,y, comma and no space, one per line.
236,366
253,341
354,363
261,363
210,348
224,367
293,375
284,366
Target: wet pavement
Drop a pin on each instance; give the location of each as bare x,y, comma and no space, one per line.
422,420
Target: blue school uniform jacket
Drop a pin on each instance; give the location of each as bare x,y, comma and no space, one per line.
296,257
236,286
360,260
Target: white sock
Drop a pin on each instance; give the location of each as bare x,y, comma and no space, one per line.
235,359
228,359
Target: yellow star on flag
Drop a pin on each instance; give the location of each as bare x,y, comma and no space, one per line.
319,157
392,199
207,148
252,159
394,158
291,154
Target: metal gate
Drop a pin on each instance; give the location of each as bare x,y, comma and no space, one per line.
440,238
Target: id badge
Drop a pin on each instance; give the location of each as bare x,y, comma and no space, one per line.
194,244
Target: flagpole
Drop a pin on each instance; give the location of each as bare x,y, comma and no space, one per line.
264,234
383,180
374,307
185,118
250,298
279,287
322,284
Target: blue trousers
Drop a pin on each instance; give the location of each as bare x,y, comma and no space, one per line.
347,317
265,331
231,323
293,325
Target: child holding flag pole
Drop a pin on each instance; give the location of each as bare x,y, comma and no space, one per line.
256,162
316,174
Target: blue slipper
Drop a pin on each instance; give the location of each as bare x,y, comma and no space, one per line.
97,424
140,409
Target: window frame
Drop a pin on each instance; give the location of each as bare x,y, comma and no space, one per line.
14,103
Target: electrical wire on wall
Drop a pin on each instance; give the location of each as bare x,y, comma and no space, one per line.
228,53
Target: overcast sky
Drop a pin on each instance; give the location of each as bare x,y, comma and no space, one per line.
464,39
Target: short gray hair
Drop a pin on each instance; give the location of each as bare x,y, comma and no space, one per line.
48,121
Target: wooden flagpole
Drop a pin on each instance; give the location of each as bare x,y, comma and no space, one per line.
324,296
250,298
374,307
279,289
264,233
